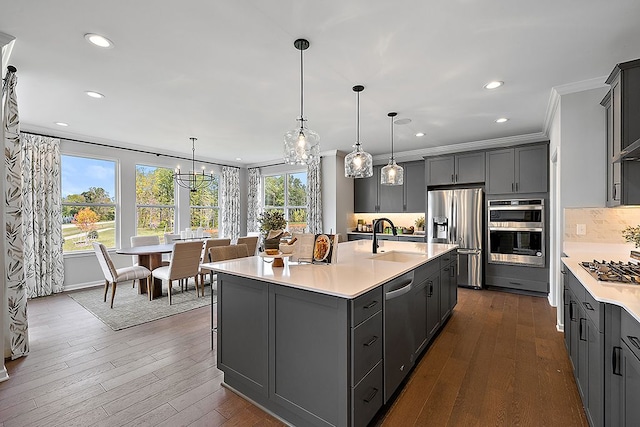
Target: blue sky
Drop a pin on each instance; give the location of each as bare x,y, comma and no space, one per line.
80,173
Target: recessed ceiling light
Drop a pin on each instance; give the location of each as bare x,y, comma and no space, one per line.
402,121
493,85
501,120
98,40
419,134
62,124
93,94
238,158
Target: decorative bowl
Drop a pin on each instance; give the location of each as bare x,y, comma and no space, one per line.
287,249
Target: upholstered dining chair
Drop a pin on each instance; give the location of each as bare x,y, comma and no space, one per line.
224,253
184,264
142,241
251,242
205,257
114,275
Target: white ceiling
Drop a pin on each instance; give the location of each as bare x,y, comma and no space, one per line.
227,72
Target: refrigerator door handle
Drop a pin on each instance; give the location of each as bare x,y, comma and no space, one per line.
469,251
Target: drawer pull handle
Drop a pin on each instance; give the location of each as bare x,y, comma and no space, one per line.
371,341
371,395
430,289
615,360
588,306
571,313
635,341
371,304
581,329
515,283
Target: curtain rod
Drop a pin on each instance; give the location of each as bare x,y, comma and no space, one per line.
130,149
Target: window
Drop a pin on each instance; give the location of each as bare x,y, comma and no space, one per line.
155,201
288,193
204,208
88,203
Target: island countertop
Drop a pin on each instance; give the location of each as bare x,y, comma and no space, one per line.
356,271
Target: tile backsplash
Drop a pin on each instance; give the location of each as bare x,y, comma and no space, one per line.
601,225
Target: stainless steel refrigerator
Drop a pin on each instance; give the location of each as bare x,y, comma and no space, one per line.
455,217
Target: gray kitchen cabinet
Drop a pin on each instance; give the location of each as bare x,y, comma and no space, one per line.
433,305
365,193
522,278
463,168
448,285
622,107
628,372
371,197
391,197
522,169
414,187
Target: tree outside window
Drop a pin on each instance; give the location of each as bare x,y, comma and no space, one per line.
88,202
288,193
155,201
205,208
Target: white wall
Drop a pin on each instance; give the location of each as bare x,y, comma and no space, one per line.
337,195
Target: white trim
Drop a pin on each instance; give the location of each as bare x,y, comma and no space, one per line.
4,375
594,83
78,286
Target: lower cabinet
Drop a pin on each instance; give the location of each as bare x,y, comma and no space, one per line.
628,372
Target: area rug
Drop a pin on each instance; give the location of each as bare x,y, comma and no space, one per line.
131,309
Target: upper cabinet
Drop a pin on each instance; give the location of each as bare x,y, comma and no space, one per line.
370,196
622,109
521,169
456,169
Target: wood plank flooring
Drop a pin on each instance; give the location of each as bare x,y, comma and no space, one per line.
499,361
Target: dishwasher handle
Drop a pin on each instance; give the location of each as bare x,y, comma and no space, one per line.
406,286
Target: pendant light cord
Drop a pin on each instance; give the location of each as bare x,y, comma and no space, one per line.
392,138
358,119
301,89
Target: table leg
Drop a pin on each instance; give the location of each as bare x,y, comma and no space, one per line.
151,261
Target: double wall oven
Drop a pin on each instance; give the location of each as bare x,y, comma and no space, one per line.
516,232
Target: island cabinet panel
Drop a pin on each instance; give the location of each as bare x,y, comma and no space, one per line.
433,305
243,305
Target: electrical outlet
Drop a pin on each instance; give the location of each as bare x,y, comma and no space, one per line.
581,229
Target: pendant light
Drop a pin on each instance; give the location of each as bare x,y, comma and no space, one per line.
358,163
192,180
392,174
301,145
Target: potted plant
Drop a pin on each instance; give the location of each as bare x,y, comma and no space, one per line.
632,234
271,220
420,223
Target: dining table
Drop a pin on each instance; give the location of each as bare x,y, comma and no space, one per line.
149,256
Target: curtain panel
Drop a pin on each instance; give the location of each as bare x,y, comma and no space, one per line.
314,198
16,328
41,215
253,200
230,202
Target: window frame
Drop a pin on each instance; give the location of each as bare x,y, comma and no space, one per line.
286,206
210,207
137,205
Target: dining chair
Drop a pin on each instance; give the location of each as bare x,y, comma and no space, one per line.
251,242
184,264
141,241
224,253
114,275
205,257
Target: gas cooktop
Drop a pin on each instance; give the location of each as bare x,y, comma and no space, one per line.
613,272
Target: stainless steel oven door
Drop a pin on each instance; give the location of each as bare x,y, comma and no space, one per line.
517,246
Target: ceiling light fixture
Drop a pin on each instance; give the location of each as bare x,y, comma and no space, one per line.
301,145
93,94
358,163
420,134
392,174
501,120
63,124
192,180
493,85
98,40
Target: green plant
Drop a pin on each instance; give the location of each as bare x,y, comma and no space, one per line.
420,222
632,234
271,220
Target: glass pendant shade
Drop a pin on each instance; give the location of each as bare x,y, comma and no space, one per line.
358,163
392,173
301,145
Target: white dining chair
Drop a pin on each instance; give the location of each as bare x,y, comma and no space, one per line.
185,261
141,241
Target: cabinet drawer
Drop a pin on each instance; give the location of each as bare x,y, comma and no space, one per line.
576,287
526,285
424,271
367,397
630,332
448,258
594,310
365,306
366,347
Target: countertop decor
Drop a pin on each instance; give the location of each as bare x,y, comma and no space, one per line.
632,234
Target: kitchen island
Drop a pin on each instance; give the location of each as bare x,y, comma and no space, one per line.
329,345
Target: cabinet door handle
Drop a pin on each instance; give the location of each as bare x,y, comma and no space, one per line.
635,341
371,395
371,304
456,177
430,289
615,195
581,329
571,314
371,341
452,271
615,360
587,306
516,187
512,187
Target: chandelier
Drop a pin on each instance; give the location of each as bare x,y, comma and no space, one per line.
358,163
392,174
301,145
193,180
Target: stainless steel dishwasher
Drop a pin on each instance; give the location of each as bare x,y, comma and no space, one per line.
398,332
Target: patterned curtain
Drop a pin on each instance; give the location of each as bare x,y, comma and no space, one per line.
314,198
41,215
16,330
230,202
253,203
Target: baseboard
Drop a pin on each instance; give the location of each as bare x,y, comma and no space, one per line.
559,327
78,286
4,375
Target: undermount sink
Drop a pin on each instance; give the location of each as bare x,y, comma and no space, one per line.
395,256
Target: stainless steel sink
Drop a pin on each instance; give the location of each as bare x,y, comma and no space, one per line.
396,256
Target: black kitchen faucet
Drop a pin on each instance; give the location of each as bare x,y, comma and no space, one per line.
375,227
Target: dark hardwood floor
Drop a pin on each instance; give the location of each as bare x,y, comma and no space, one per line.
498,361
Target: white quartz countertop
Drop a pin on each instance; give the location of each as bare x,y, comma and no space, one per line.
356,271
625,296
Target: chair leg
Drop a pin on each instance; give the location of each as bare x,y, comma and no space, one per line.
149,287
113,292
106,289
169,292
202,285
195,279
